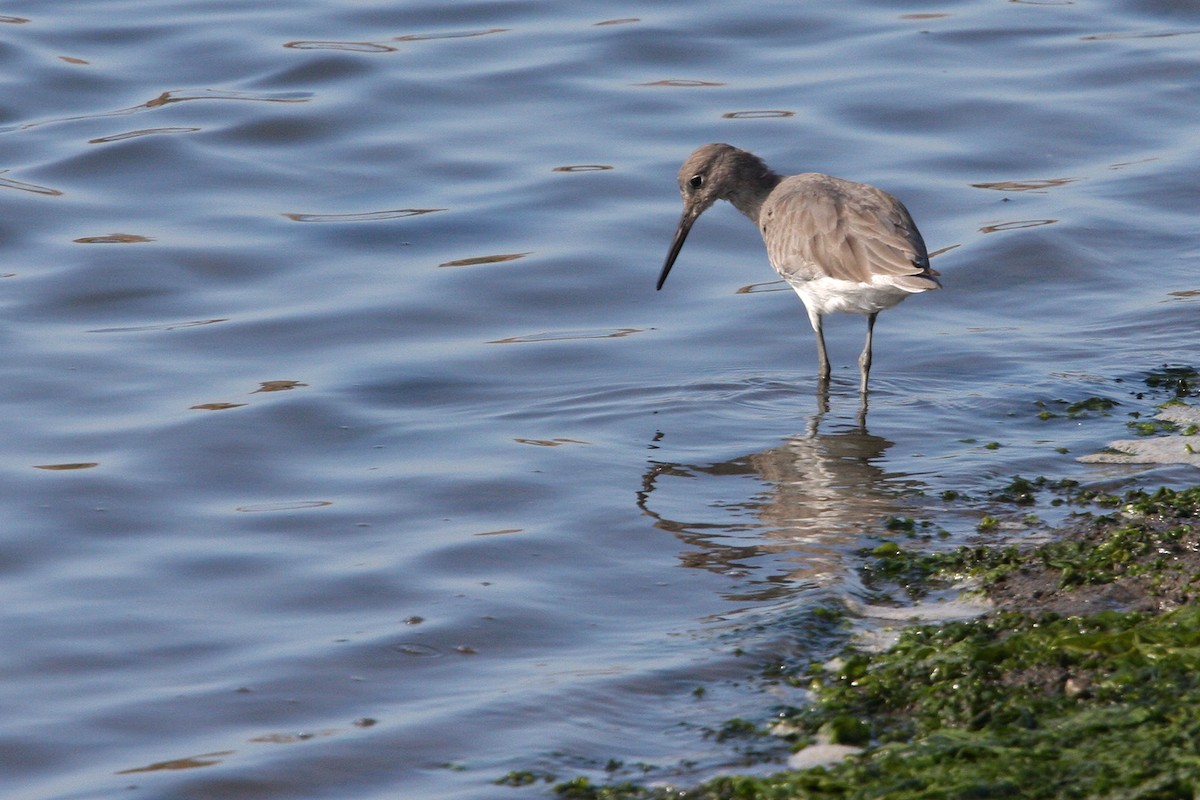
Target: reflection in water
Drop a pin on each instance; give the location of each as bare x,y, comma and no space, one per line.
823,492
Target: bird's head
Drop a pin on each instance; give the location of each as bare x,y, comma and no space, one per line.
713,172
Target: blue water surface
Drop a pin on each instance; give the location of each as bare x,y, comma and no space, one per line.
349,451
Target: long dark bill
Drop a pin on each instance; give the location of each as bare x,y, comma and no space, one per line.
685,225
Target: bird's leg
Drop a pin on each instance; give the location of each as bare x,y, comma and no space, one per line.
864,361
822,356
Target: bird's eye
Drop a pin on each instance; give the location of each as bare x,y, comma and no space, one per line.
696,181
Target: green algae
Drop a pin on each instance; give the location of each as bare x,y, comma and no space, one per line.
1151,427
1182,381
1182,503
1136,542
1009,705
1092,405
1081,409
524,777
1021,491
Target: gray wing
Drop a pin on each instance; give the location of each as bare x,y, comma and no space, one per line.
816,225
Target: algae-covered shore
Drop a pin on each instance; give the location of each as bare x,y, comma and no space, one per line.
1081,680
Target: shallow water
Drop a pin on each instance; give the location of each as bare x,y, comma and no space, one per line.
351,452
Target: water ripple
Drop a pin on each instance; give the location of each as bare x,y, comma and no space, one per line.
478,260
363,216
186,762
349,47
680,82
119,137
1102,37
1025,186
424,37
166,326
68,466
758,114
569,336
11,183
380,47
297,505
170,98
114,238
1016,225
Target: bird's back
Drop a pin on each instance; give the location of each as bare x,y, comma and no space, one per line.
818,226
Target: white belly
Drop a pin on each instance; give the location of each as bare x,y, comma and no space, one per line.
826,295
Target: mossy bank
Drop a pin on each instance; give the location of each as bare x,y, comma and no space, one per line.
1083,682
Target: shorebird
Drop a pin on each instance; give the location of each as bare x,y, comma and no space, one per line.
843,246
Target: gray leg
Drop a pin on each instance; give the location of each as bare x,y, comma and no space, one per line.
864,361
822,356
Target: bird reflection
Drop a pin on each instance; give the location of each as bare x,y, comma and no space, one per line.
821,492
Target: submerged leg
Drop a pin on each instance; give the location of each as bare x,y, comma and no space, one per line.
864,361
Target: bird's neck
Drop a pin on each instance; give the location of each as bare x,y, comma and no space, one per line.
751,194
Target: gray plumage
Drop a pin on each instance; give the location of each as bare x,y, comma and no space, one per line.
842,246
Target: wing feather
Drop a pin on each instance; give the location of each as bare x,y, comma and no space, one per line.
816,225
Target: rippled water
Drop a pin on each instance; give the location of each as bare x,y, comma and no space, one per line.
349,450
